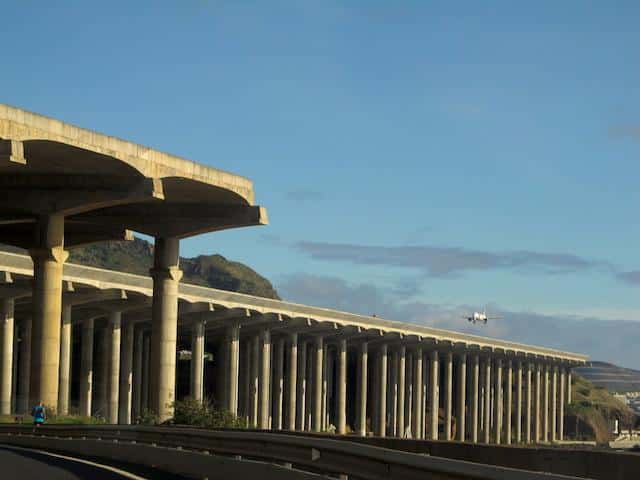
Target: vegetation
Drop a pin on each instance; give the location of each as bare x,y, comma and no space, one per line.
202,414
148,418
136,257
54,419
593,411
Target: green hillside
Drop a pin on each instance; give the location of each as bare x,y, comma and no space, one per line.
593,410
136,256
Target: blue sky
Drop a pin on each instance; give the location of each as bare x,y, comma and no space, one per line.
420,157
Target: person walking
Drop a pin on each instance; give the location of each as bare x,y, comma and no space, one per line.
39,414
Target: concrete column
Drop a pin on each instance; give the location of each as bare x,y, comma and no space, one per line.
374,397
65,361
553,424
545,405
14,379
137,374
278,385
416,417
448,394
308,403
392,394
255,380
435,394
569,399
508,404
246,380
519,402
481,401
325,389
537,408
382,392
561,406
487,400
497,402
6,355
24,369
196,380
462,396
361,392
101,378
317,384
292,374
408,396
126,376
233,368
341,387
113,386
527,408
302,385
425,395
164,329
146,370
264,384
331,391
402,359
48,260
475,397
86,367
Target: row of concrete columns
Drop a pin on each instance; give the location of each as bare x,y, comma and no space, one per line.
45,350
299,382
302,382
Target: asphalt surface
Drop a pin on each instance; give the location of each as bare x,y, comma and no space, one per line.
18,464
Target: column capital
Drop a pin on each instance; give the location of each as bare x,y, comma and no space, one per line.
56,254
171,273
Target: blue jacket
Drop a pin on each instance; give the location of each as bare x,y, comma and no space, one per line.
38,414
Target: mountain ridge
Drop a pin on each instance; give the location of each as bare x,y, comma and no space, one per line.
136,256
610,376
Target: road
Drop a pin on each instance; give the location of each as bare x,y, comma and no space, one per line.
26,464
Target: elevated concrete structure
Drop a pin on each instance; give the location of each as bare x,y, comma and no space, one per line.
298,356
62,186
276,364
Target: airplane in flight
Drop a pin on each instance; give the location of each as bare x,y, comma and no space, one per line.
481,317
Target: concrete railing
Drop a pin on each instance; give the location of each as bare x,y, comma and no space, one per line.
299,453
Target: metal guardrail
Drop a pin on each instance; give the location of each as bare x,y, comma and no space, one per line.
318,455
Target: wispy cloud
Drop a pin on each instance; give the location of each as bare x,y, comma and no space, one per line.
625,131
609,340
632,277
447,261
304,195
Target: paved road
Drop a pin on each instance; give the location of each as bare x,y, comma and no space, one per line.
24,464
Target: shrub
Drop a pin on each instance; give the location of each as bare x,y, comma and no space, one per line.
192,412
148,418
203,414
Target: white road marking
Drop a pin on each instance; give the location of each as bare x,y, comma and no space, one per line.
115,470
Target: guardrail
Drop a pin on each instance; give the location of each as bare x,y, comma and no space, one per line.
317,455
